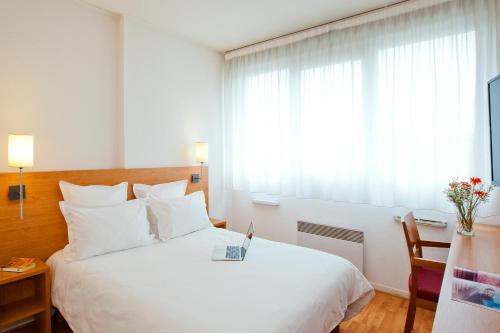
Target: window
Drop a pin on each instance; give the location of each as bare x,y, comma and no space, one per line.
361,115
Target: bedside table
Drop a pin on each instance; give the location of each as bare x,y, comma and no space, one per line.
24,295
218,223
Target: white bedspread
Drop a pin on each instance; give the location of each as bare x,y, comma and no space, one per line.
175,287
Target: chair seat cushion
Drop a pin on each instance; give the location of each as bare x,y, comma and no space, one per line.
429,282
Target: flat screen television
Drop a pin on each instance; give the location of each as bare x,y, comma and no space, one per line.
494,106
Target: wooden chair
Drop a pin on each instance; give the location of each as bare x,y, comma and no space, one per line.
426,275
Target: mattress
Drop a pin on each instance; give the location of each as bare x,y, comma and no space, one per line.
176,287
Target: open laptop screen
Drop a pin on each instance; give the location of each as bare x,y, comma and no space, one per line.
248,238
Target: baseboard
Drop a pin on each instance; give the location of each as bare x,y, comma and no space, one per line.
390,290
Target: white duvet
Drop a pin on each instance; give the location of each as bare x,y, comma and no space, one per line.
176,287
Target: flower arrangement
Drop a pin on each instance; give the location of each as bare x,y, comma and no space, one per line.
467,196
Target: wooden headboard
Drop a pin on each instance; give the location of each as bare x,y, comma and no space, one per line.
43,229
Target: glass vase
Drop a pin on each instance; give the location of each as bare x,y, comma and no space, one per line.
465,226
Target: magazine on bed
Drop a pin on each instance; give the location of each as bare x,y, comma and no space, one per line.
476,288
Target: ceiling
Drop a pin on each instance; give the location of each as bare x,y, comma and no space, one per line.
224,25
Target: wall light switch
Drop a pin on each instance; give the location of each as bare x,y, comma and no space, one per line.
195,178
14,192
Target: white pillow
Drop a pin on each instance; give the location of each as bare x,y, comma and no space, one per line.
93,195
180,216
162,191
97,230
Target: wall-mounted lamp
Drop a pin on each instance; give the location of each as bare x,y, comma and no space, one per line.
201,152
20,155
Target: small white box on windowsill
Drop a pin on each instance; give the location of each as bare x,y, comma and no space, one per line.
265,199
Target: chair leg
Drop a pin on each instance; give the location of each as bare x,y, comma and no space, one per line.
410,315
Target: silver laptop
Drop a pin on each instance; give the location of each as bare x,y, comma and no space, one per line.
234,253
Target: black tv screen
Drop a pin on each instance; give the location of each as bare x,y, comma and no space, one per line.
494,100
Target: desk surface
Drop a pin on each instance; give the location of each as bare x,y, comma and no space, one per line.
481,252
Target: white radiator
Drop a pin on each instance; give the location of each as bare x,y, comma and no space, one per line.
343,242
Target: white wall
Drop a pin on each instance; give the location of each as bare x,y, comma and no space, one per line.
172,91
98,91
386,257
58,82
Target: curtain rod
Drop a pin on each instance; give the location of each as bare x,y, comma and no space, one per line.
394,9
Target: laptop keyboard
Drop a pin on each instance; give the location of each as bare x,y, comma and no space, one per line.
233,252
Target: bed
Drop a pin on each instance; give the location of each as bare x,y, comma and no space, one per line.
174,286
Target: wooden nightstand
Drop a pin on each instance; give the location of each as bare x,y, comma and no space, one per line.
218,223
24,295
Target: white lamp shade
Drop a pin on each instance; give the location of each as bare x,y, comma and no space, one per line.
20,151
201,152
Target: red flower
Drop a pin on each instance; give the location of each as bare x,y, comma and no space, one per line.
465,184
475,180
481,194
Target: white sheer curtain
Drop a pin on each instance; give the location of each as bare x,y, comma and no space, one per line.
382,113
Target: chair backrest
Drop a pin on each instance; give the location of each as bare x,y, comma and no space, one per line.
412,236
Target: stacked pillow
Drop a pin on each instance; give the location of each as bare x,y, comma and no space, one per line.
163,191
94,195
180,216
101,220
171,212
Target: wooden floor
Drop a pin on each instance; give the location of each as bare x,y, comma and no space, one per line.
385,313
